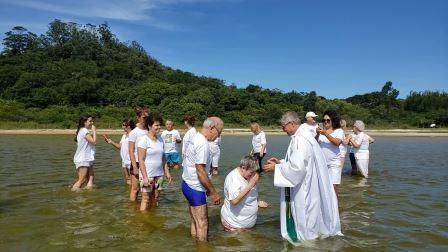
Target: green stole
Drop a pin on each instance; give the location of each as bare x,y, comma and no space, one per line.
290,225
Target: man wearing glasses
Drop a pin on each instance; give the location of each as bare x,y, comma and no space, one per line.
308,203
196,183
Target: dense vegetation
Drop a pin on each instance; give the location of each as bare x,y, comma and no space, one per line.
49,80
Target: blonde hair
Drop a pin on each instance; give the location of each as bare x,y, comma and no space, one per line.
343,123
256,127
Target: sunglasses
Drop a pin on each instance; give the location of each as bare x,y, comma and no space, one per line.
326,120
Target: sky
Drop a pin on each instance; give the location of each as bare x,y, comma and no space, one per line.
336,48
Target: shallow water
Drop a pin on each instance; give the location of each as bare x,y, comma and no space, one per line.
402,206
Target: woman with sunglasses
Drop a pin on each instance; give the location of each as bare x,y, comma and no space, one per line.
330,136
123,146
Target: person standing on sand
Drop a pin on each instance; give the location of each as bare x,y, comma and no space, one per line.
127,125
85,152
196,176
308,203
171,139
139,131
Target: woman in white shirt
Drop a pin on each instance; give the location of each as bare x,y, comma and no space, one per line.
123,146
329,138
258,143
359,151
241,198
343,145
153,166
139,131
215,153
85,152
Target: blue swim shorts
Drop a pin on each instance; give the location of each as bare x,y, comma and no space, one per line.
195,198
172,157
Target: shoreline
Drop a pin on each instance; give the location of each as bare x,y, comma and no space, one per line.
232,132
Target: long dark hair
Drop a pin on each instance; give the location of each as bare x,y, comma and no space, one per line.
335,118
81,122
139,111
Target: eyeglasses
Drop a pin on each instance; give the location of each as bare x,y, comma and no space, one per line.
326,120
217,131
284,125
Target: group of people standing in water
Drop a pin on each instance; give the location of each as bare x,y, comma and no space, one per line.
309,173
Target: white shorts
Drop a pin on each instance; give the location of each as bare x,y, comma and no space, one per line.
127,166
84,164
215,158
335,171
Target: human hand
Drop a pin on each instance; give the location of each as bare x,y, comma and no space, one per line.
262,204
269,166
93,128
170,179
275,160
253,181
216,199
107,139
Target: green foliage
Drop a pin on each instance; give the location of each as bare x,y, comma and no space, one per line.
73,69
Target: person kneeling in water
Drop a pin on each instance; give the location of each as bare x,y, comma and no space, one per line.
241,197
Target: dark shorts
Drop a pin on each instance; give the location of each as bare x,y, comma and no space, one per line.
172,157
257,156
132,170
195,198
353,161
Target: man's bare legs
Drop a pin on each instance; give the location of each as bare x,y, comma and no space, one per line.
199,219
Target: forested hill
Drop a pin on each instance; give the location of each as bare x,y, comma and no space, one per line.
71,69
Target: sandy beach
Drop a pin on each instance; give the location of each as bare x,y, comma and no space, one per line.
389,132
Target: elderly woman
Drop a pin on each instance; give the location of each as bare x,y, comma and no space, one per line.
359,151
241,198
330,137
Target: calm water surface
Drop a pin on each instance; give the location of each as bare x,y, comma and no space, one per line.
402,206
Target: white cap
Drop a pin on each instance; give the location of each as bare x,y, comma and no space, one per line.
310,114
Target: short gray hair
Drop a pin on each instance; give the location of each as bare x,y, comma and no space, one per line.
249,163
213,122
360,125
289,117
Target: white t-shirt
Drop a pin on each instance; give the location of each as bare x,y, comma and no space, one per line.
134,135
214,145
331,152
187,138
306,128
362,139
244,214
154,155
170,140
124,150
85,151
257,141
197,152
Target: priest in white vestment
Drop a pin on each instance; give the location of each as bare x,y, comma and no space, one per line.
308,203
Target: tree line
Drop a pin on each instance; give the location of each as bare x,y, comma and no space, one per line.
54,77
